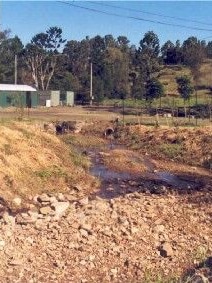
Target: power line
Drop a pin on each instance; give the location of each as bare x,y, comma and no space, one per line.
149,13
132,17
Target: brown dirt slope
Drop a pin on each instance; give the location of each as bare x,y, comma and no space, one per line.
33,161
192,146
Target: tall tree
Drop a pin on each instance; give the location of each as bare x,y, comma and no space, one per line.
41,56
116,73
109,41
171,53
148,54
9,47
193,52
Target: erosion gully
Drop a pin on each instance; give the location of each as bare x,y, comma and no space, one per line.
117,183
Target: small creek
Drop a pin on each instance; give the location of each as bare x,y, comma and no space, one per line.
116,183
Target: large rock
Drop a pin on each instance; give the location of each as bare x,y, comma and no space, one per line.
46,210
60,208
44,198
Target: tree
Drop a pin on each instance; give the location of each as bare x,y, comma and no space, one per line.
193,53
150,44
4,35
116,73
123,43
209,49
185,89
109,41
41,56
9,47
171,53
154,89
148,55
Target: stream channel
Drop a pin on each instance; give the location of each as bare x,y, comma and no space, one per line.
116,183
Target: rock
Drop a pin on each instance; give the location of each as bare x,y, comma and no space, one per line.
83,233
43,198
166,250
159,229
30,240
114,271
61,197
8,219
25,218
83,262
134,230
83,201
15,262
17,201
60,208
92,257
123,221
52,199
2,244
40,224
114,215
107,231
86,227
46,210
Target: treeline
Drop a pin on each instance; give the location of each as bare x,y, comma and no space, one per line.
119,69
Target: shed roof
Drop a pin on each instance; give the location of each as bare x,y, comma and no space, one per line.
11,87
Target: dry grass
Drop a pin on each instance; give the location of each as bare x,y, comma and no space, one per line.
167,77
168,74
188,145
33,161
205,74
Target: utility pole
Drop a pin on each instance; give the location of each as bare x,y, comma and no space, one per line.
15,69
91,83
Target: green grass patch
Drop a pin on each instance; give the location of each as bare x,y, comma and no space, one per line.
50,172
172,151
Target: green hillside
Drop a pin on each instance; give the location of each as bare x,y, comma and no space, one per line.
168,74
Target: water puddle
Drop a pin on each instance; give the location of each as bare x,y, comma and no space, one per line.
116,183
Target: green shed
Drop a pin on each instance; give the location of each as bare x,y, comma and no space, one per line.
18,95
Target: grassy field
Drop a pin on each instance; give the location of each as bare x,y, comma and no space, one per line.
104,113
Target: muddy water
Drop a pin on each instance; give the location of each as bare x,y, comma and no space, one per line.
116,183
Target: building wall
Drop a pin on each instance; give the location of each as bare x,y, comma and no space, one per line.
53,95
70,98
18,99
43,96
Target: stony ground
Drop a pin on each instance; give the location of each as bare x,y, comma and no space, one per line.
138,237
149,232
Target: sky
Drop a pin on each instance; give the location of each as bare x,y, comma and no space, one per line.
129,18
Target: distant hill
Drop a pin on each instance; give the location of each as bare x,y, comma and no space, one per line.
168,74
